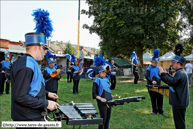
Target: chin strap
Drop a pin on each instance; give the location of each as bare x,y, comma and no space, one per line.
42,56
42,52
174,65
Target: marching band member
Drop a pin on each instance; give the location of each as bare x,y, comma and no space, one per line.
27,85
134,62
28,96
113,75
69,72
152,76
51,83
101,92
5,64
135,73
76,77
179,90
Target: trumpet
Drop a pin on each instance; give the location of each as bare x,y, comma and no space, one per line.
80,71
55,73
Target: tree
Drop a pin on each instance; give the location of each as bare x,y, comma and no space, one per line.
69,49
98,51
125,25
187,22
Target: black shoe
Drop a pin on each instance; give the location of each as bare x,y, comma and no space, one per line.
163,114
8,93
77,92
1,94
154,114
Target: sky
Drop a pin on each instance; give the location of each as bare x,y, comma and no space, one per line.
16,21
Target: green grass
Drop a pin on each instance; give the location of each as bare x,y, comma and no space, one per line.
134,115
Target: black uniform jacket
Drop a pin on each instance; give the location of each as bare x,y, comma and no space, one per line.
179,96
76,77
150,80
52,83
28,95
101,87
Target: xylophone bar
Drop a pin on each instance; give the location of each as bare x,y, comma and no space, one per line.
123,100
158,86
164,90
77,114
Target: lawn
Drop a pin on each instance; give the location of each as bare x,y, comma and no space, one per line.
134,115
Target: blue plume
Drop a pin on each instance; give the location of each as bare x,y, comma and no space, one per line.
101,56
156,53
73,57
43,22
48,55
133,59
95,55
98,61
132,56
12,55
54,56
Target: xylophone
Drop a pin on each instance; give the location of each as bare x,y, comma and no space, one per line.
123,100
162,89
77,114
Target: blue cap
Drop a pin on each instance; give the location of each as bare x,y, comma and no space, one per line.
101,69
7,56
35,39
50,57
51,60
179,59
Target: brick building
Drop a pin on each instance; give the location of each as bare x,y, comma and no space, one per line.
14,47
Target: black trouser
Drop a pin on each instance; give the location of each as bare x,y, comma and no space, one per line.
2,81
113,81
179,117
105,113
69,74
136,77
75,86
156,101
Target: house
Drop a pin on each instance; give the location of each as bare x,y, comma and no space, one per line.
18,49
15,47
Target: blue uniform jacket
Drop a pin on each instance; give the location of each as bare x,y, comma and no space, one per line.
152,74
101,87
28,95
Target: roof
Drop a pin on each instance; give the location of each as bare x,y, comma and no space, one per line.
167,57
24,51
147,57
19,48
55,47
13,51
89,50
63,47
189,57
124,63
